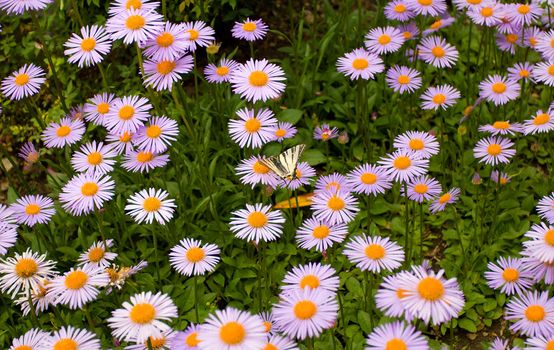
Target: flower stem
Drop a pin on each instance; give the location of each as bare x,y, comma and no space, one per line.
197,317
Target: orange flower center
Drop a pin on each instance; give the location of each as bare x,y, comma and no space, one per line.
257,219
486,12
416,144
249,26
195,254
501,125
430,288
222,71
321,232
384,39
144,157
437,51
425,2
368,178
267,326
258,78
96,254
194,34
396,344
135,22
510,275
26,267
152,204
550,345
374,251
401,293
535,313
252,125
280,132
305,309
232,333
335,203
66,344
22,79
136,4
269,346
125,137
498,87
192,339
512,38
165,67
439,99
23,347
126,112
445,198
153,131
89,189
541,119
494,149
403,79
142,313
165,39
88,44
157,343
524,73
94,158
259,168
76,280
32,209
523,9
309,281
400,8
437,24
103,107
549,237
402,163
360,63
63,131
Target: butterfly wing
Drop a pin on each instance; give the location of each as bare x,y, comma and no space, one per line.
284,165
275,165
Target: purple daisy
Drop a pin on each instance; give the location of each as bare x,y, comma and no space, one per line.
403,166
494,150
258,80
545,208
282,131
440,203
65,132
421,144
383,40
398,10
335,207
97,108
396,335
127,114
157,136
143,161
437,52
253,172
509,275
374,253
498,89
422,188
539,123
94,158
304,173
257,223
360,63
332,182
24,82
403,79
325,132
250,30
369,179
89,48
319,234
441,96
252,129
134,25
502,127
32,210
220,73
84,192
533,313
161,75
167,44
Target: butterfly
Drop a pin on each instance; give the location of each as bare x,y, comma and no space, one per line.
284,164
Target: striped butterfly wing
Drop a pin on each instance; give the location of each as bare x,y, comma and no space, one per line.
284,165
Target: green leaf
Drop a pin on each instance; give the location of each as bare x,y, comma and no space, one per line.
365,321
290,115
468,325
314,157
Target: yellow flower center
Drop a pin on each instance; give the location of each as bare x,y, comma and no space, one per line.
474,2
280,132
257,219
136,4
32,157
407,35
384,39
437,51
94,158
403,79
259,168
165,39
258,78
142,313
486,12
401,293
416,144
360,63
126,112
135,22
437,24
321,232
22,79
26,267
550,345
541,119
96,254
535,313
374,251
89,189
524,73
232,333
144,157
425,2
194,34
510,274
396,344
503,180
269,346
400,8
23,347
192,339
249,26
76,280
421,188
494,149
445,198
63,131
88,44
523,9
501,125
335,203
222,71
165,67
439,99
533,41
125,137
305,309
153,131
402,163
252,125
152,204
66,344
430,288
498,87
157,343
309,281
512,38
368,178
103,107
549,237
32,209
195,254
